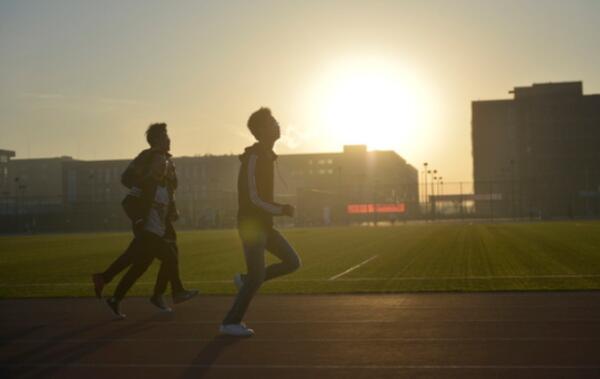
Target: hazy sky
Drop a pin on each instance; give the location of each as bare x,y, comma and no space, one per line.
84,78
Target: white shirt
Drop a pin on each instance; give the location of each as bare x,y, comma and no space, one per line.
157,217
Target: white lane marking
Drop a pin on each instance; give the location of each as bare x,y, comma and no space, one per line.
353,268
358,279
308,367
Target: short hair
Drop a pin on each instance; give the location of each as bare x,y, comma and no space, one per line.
155,131
259,119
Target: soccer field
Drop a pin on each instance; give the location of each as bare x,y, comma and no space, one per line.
412,257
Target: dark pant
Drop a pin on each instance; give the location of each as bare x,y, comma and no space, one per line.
255,242
168,274
147,247
126,259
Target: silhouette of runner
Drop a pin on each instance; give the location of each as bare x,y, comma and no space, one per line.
255,221
151,208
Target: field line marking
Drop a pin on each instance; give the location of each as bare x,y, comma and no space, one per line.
301,366
353,268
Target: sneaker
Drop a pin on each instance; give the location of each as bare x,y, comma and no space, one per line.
99,284
159,302
184,295
115,307
236,330
238,281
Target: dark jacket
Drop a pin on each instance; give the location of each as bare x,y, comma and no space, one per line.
137,177
255,187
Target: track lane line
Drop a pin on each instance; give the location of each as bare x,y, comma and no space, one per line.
373,339
300,366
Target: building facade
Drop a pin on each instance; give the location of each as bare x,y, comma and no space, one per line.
537,155
352,186
31,191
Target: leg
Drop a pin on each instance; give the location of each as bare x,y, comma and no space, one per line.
141,261
176,283
169,271
254,252
121,262
171,239
280,247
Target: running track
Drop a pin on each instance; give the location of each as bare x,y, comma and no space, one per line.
434,335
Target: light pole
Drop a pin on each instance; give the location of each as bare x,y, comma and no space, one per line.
17,185
425,185
434,173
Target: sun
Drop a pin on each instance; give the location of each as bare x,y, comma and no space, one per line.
375,103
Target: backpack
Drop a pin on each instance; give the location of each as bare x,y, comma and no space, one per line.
137,169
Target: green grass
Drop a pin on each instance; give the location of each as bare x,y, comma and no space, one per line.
416,257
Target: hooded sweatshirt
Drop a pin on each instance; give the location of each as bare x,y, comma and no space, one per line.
255,187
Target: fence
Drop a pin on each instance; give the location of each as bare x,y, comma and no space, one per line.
542,198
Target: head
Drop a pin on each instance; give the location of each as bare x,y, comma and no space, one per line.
263,126
157,137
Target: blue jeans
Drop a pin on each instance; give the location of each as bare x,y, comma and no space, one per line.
255,242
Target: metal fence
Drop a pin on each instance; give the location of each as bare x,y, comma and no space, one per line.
540,199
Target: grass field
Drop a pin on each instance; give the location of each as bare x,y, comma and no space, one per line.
413,257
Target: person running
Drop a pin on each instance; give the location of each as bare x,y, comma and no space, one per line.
255,221
151,207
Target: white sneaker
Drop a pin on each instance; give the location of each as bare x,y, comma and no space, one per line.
237,280
236,330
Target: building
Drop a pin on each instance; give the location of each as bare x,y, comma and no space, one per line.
352,186
537,155
355,185
206,194
31,192
5,183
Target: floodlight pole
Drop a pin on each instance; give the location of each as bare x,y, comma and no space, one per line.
425,189
433,194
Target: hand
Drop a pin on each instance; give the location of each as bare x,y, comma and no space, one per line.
289,210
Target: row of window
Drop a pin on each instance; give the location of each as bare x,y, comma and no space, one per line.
321,171
320,161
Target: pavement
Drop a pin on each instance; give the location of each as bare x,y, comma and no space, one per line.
415,335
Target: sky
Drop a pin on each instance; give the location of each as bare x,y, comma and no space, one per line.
85,78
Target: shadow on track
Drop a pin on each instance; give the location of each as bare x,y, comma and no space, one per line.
201,365
46,359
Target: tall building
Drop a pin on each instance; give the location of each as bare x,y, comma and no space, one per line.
538,155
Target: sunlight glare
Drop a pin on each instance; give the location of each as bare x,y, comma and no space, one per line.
372,103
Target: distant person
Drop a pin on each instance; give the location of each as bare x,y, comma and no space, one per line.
255,221
151,207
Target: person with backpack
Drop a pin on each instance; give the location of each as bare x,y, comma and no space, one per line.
150,206
255,221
